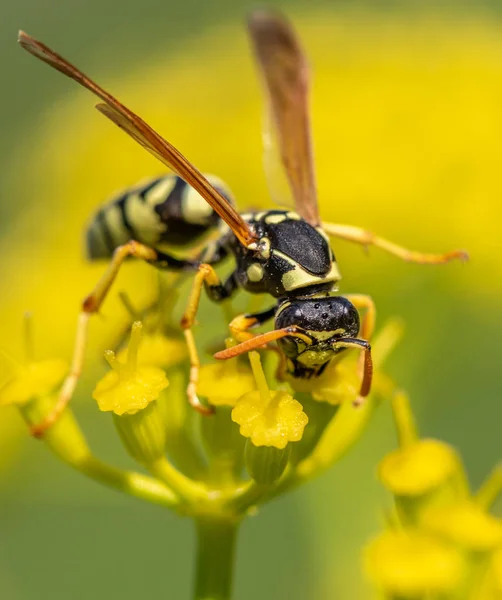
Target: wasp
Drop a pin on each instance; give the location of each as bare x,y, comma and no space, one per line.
284,252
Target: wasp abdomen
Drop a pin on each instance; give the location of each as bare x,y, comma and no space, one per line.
163,210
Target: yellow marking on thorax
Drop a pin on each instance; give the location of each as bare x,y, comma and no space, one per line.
255,272
275,219
298,277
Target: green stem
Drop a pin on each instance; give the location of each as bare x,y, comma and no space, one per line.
129,482
490,489
189,491
247,496
66,440
216,539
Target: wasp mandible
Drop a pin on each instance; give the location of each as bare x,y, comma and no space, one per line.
282,252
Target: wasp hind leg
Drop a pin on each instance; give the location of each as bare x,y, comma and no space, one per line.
367,238
91,305
217,291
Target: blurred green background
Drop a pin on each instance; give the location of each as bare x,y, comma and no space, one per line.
407,114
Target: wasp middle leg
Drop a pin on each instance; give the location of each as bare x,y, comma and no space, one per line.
217,291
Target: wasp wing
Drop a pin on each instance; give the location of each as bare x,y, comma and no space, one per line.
285,73
146,136
277,181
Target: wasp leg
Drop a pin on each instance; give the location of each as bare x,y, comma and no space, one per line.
90,305
367,365
239,327
217,291
367,238
364,302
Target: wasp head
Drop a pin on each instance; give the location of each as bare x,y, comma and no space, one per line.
323,322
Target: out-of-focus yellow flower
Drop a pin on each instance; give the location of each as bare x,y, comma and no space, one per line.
496,571
223,383
412,564
418,469
158,350
465,524
269,418
418,466
129,388
34,380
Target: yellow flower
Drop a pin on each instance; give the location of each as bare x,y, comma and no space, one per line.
158,350
129,388
34,380
411,564
464,523
223,383
496,570
269,418
337,384
419,468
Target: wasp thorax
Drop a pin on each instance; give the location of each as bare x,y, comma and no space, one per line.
323,321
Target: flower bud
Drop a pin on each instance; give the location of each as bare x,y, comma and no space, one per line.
266,464
143,433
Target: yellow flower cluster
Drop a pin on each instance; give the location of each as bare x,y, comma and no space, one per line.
442,540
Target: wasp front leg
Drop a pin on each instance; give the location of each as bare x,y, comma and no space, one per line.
366,303
240,326
367,238
91,305
217,291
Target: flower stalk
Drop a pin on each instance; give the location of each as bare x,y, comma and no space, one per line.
216,542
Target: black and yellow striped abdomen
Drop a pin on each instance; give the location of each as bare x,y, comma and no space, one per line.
163,210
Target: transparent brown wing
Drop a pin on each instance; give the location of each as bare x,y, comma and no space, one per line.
285,74
146,136
273,167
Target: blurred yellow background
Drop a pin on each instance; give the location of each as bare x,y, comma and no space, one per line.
407,119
